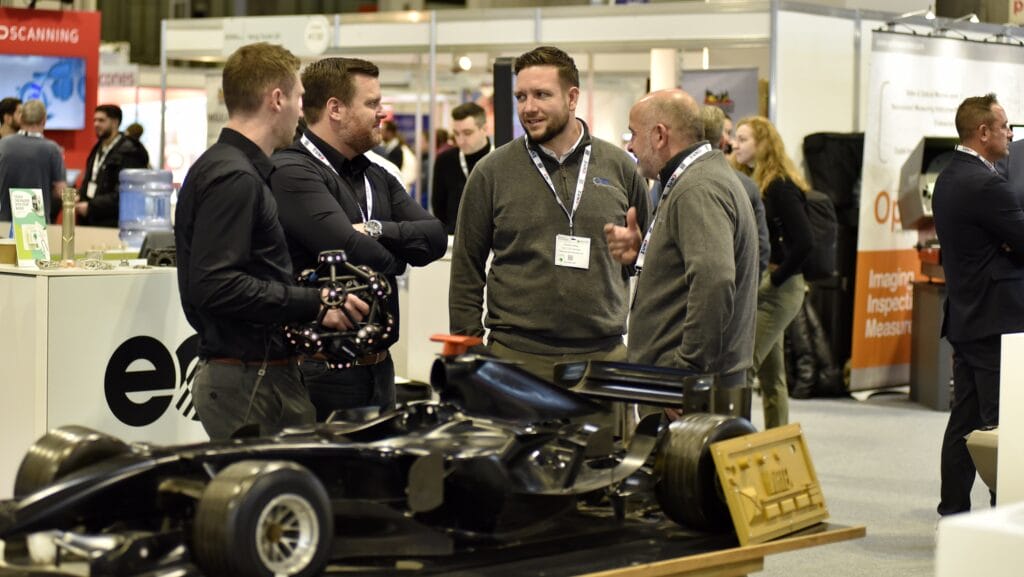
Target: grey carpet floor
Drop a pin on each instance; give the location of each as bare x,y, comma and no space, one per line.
878,464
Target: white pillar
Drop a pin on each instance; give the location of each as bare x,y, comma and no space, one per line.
664,68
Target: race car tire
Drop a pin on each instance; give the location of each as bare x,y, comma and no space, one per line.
687,487
61,452
263,519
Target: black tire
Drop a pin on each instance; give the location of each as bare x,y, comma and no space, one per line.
61,452
253,511
687,486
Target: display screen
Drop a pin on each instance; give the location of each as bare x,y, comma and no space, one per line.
1018,131
56,80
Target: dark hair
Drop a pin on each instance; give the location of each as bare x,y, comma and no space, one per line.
973,112
254,69
9,105
551,56
112,111
468,109
332,78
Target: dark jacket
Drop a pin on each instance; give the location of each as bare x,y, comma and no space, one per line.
317,208
980,226
103,207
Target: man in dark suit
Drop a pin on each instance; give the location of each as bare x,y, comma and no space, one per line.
980,225
99,200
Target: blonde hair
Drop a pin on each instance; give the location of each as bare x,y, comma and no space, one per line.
770,160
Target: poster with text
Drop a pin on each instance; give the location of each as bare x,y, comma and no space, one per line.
916,84
29,225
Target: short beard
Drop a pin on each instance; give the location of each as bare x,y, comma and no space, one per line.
550,132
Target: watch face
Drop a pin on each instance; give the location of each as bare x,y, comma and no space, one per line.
374,228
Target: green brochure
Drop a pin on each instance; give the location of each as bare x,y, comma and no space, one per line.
29,225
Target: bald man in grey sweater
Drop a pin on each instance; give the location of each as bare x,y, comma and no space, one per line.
696,295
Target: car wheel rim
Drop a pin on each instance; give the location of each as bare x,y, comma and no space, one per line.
287,534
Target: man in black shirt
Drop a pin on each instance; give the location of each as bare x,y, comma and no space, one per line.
113,152
234,272
330,196
452,167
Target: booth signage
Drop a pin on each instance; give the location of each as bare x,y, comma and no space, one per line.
915,87
163,382
304,36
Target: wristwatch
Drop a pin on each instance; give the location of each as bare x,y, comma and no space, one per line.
373,228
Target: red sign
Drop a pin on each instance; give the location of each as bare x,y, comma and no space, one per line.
59,33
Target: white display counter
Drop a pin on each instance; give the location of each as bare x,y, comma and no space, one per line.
110,350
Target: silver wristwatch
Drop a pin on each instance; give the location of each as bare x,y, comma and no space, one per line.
373,228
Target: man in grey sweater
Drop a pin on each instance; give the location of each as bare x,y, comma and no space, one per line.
539,204
696,295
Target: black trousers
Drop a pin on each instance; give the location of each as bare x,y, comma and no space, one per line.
975,405
359,386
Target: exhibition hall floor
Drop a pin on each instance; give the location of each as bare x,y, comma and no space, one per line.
878,464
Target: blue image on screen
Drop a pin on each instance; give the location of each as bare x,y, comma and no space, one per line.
56,80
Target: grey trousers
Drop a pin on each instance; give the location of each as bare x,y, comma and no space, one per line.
225,401
777,306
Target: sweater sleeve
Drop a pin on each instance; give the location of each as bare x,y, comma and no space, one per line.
473,233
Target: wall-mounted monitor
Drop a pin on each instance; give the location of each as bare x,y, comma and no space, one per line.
58,81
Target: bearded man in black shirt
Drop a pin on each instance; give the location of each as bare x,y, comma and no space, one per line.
330,196
234,272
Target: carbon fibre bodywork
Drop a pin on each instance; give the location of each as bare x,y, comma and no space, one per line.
496,458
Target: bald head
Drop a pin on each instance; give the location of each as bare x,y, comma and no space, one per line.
675,109
663,124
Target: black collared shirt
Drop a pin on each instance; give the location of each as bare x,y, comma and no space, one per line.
234,272
318,206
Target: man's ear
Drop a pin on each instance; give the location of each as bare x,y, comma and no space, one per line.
574,98
277,99
334,108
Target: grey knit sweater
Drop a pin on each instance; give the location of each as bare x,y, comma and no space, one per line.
532,305
696,298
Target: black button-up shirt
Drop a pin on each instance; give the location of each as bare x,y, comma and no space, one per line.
234,272
318,207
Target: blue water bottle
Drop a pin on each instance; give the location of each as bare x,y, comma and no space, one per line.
145,204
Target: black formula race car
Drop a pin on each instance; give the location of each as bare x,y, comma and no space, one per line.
494,457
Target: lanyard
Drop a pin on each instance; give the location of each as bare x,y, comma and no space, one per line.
366,180
462,160
974,153
579,181
30,134
690,159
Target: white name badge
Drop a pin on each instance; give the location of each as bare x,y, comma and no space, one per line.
572,251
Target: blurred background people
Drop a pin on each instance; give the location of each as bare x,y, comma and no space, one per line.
760,154
29,160
10,116
113,152
452,168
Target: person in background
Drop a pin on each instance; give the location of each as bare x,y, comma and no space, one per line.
331,196
29,160
540,203
469,124
760,154
235,277
99,196
978,220
696,292
714,132
394,148
10,116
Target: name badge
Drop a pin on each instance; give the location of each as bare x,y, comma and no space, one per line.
572,251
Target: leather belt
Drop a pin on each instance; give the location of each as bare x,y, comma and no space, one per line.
365,361
240,363
372,359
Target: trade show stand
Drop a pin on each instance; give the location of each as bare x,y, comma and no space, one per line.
106,349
